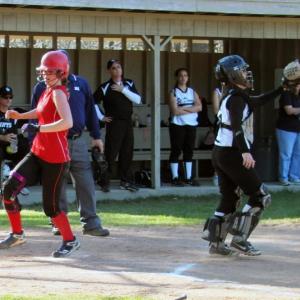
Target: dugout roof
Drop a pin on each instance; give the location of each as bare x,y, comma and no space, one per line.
241,7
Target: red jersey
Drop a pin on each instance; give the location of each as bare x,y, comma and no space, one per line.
50,146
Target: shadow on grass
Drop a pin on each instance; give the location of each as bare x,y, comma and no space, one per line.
168,211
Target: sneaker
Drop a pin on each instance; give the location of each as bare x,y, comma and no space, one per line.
105,188
245,247
192,182
295,181
176,182
12,240
67,248
215,180
284,182
25,191
55,230
99,231
128,186
221,249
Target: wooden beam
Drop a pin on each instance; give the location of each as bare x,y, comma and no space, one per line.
155,115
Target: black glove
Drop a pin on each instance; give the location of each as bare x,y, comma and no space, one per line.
30,128
100,164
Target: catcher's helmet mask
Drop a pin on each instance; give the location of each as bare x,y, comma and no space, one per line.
233,69
291,73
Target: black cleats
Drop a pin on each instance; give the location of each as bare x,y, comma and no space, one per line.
221,249
244,247
66,248
177,182
192,182
128,186
99,231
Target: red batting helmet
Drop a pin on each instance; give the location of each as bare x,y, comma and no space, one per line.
54,61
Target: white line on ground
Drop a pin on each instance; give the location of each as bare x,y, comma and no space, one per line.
181,269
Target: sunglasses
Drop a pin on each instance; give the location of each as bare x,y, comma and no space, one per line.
6,97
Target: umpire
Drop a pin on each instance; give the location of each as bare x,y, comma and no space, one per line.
84,115
118,95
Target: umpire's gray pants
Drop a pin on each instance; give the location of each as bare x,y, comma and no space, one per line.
82,176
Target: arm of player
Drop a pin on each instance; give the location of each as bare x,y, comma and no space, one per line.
197,105
13,114
174,108
133,97
236,107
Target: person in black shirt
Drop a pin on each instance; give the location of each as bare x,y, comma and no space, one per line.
13,146
288,136
234,163
118,95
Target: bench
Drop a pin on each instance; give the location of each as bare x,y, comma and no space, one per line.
142,145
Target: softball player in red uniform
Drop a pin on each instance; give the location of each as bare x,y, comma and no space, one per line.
49,155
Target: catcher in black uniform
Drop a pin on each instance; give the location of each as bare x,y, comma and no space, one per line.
234,163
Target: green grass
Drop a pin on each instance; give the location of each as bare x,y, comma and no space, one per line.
166,211
69,297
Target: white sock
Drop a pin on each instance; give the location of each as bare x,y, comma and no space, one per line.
219,214
246,208
174,170
188,169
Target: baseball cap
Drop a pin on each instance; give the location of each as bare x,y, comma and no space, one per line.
6,90
111,62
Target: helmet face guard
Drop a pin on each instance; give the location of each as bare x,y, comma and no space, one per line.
291,73
233,69
53,62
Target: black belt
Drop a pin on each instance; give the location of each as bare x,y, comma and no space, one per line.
74,136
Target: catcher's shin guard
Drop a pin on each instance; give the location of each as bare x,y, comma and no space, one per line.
215,229
243,223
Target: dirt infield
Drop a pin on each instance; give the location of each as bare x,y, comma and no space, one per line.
158,262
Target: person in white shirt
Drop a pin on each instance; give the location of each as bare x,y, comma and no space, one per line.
184,105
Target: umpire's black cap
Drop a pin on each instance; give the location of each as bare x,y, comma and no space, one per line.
5,91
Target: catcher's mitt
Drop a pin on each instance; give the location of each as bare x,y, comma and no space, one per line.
291,73
100,165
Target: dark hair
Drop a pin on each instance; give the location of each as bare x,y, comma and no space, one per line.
293,90
177,72
111,62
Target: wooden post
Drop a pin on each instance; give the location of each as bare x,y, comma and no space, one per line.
155,117
156,46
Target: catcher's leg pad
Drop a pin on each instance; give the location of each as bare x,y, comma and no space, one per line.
243,223
215,229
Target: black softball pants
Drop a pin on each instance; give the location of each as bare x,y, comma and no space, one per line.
182,139
228,163
31,169
119,142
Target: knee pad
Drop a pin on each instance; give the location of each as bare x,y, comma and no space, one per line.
12,205
13,185
261,198
215,229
